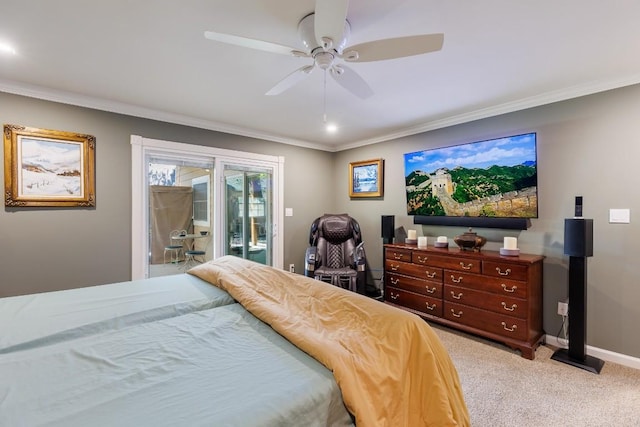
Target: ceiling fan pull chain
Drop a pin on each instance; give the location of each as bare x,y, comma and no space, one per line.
324,98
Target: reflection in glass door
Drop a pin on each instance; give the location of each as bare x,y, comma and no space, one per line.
248,195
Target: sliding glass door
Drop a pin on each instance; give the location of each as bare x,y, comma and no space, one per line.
236,202
249,206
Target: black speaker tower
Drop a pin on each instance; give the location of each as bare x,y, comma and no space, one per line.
578,244
388,228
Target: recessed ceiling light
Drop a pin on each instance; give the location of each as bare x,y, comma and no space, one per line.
331,128
7,48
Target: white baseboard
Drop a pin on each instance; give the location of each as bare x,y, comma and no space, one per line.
606,355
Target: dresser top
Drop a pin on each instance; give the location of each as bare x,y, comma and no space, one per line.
481,255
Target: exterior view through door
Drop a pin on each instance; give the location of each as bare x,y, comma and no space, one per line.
248,213
180,214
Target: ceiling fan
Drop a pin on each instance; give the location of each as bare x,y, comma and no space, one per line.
324,33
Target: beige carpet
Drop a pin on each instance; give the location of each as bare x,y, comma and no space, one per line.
503,389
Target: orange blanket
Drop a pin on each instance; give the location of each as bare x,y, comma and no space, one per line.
390,366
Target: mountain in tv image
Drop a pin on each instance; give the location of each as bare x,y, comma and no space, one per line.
494,178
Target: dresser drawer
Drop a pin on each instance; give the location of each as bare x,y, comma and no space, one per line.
505,270
506,287
398,254
420,286
487,321
497,303
425,272
422,303
463,264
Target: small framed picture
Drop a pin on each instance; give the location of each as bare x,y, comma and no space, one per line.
366,178
45,167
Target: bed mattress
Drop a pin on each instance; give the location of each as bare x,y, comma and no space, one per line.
34,320
219,366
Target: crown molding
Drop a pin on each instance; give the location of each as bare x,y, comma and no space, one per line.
508,107
75,99
39,92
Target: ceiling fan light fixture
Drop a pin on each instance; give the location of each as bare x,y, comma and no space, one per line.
324,59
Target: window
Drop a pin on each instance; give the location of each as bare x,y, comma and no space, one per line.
201,201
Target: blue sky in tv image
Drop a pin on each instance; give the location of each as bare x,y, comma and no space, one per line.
507,151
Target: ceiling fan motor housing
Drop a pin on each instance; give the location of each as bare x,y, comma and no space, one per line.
306,32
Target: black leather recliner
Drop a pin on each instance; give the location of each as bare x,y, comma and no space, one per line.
336,254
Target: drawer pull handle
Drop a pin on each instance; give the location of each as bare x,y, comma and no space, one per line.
513,306
430,275
454,280
397,256
430,307
422,260
395,267
430,290
503,273
394,281
394,297
513,288
458,314
459,296
466,266
511,329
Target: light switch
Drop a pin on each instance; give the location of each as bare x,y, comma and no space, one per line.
288,211
619,216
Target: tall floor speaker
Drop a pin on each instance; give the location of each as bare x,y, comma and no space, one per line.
578,244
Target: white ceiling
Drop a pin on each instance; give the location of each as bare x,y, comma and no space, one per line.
149,58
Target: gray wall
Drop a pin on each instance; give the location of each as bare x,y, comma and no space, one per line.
43,249
588,146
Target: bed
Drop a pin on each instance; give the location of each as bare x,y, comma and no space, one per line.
230,343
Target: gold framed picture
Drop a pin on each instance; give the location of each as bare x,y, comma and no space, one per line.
45,167
366,178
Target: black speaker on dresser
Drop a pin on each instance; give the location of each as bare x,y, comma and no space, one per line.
388,228
578,244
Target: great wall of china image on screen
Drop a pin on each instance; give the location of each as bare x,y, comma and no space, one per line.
495,178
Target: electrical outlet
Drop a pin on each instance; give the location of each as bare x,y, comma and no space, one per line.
292,268
563,308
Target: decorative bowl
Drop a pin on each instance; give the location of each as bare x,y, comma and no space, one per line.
470,241
204,233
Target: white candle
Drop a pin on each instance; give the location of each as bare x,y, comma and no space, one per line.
510,243
411,234
422,241
442,239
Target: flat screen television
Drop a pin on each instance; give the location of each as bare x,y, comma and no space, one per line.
490,183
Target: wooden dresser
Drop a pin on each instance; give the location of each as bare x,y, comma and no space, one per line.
483,293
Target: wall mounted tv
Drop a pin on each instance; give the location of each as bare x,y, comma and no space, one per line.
490,183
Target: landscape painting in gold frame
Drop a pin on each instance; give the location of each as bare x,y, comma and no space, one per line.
45,167
366,178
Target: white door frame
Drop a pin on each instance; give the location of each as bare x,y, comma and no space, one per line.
141,147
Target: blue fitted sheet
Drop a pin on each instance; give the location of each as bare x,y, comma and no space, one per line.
29,321
214,367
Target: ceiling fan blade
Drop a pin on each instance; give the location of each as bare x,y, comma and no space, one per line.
351,81
329,20
399,47
291,80
253,43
